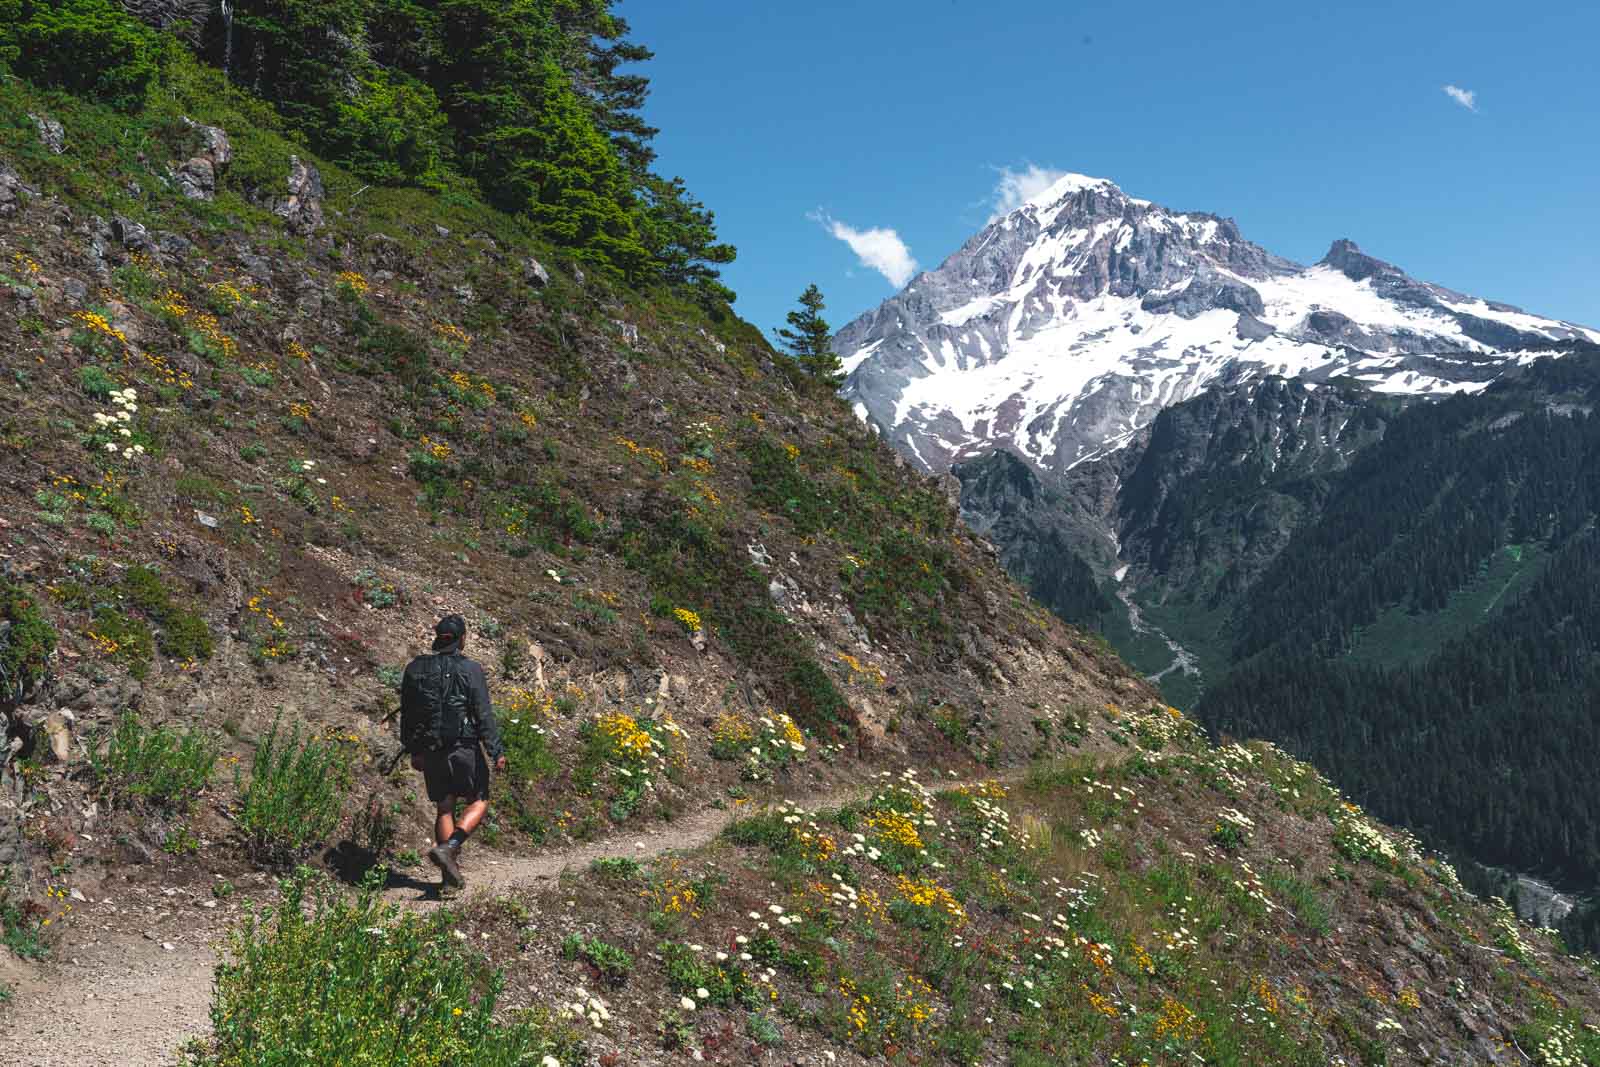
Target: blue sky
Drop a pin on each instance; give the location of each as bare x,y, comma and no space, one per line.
1304,125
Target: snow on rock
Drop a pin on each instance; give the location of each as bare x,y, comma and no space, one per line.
1062,328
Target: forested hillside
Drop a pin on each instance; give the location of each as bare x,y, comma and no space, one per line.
1402,595
1472,718
532,106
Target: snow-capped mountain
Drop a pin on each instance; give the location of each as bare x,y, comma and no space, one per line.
1061,329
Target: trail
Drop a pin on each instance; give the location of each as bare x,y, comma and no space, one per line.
1182,658
125,999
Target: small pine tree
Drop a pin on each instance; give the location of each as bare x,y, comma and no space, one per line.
809,338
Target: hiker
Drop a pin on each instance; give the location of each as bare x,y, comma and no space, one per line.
446,723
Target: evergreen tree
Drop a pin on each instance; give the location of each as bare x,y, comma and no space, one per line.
681,236
809,339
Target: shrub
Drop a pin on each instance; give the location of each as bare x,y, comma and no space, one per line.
724,983
292,801
611,964
20,924
342,979
392,130
26,641
95,382
157,765
123,640
90,47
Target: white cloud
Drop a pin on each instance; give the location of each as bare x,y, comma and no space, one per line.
1465,97
879,248
1017,187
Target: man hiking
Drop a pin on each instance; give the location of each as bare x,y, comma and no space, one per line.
446,723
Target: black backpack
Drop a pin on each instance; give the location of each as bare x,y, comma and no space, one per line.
435,702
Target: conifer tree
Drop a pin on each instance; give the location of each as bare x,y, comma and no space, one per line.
809,339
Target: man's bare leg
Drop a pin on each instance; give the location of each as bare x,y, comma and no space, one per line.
443,855
472,816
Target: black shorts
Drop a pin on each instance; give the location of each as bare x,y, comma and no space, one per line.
460,772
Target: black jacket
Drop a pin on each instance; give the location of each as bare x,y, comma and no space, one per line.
419,730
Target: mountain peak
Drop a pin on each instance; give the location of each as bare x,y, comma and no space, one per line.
1067,185
1346,257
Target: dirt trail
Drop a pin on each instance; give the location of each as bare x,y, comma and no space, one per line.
127,1000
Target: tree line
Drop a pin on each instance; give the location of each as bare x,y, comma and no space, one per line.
535,104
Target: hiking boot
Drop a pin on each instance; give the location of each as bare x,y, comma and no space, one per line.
444,858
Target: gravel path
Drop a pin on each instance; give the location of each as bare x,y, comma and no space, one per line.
133,999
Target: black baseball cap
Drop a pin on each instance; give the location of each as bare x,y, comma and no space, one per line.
448,631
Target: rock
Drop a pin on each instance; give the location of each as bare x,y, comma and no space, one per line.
301,210
60,736
441,231
630,332
131,235
26,299
12,191
197,179
208,521
464,293
174,245
215,145
75,290
534,274
51,133
308,296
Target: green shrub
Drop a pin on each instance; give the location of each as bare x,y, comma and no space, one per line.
157,765
687,974
292,801
611,964
392,130
91,47
123,639
342,979
95,382
26,642
20,927
617,869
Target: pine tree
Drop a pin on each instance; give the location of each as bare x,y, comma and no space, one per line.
809,339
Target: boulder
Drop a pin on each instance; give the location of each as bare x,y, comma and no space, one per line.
12,191
197,177
51,133
301,210
534,274
131,235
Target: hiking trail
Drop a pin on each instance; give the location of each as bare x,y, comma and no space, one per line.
126,999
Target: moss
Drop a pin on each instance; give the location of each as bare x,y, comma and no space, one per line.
184,634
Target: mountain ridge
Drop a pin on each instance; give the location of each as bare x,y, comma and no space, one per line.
1062,327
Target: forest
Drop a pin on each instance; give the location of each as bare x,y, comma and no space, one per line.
532,105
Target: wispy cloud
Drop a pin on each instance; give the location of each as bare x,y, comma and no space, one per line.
1017,187
1465,97
879,248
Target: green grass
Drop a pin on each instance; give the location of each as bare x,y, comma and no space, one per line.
323,977
294,795
155,765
